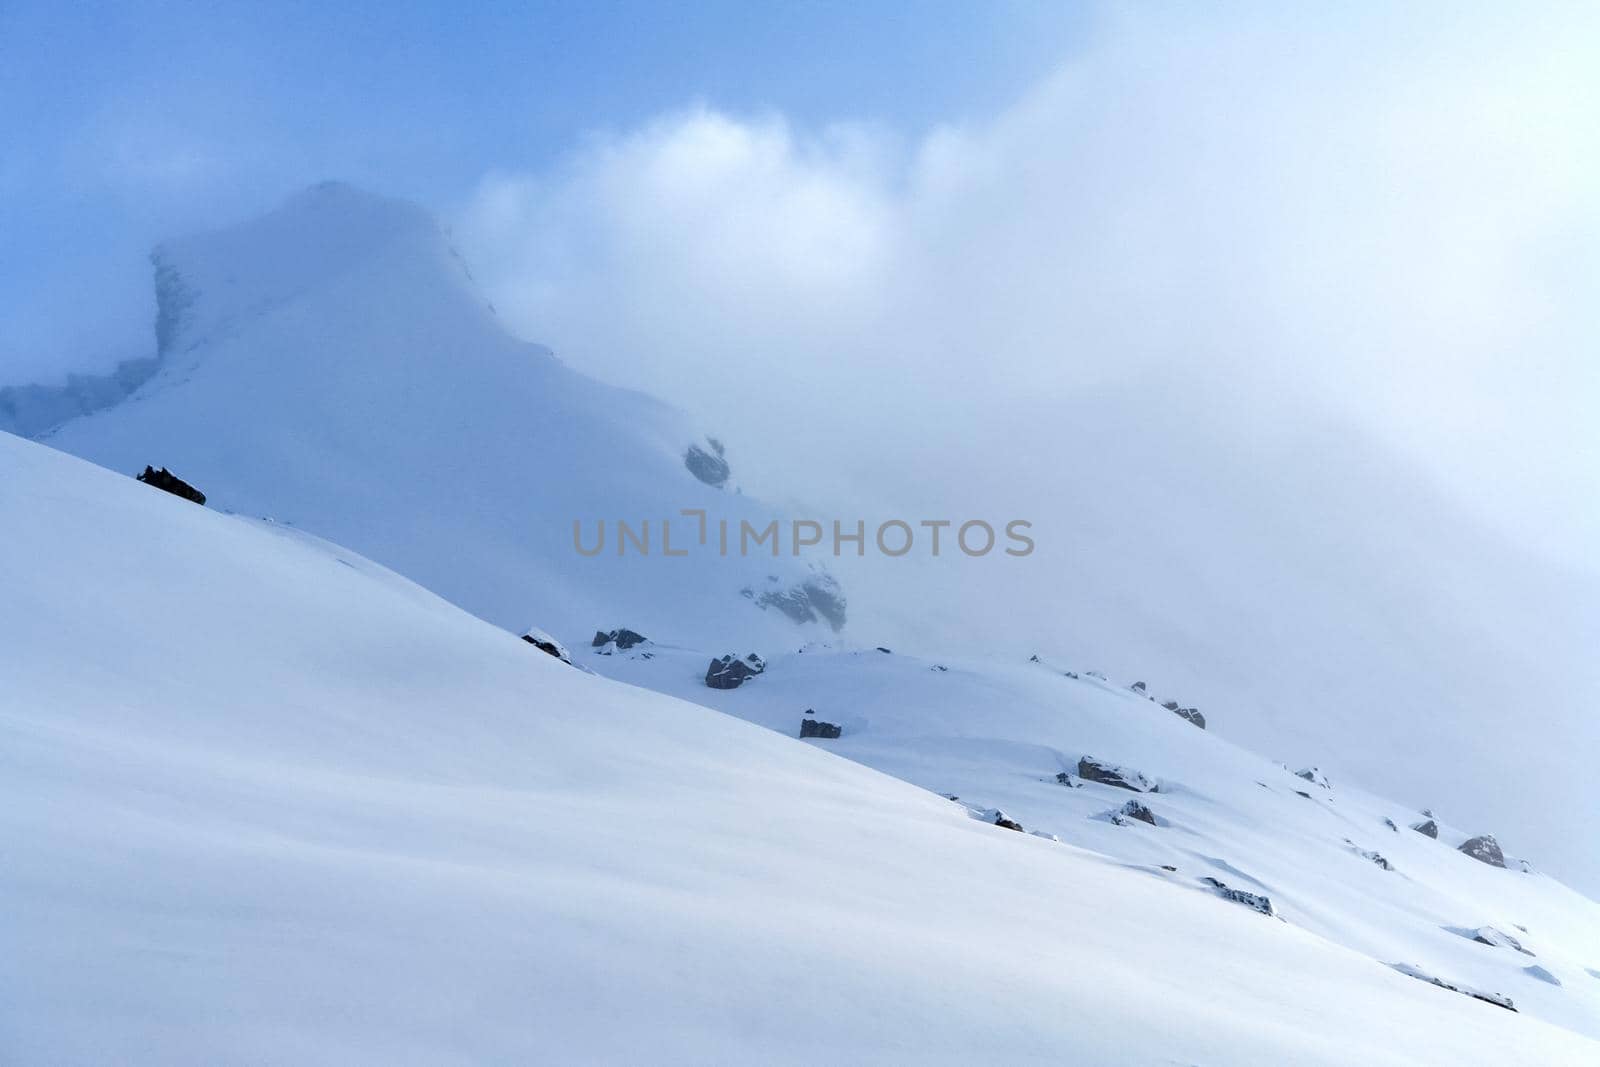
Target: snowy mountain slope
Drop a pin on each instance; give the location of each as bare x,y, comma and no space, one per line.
997,736
330,365
268,802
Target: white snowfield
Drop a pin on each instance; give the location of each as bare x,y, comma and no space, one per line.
267,802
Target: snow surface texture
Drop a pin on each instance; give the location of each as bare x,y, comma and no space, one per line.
267,802
330,365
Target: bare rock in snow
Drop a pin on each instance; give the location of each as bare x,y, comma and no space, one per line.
622,640
1427,828
166,481
710,465
730,673
1314,776
1093,770
1257,901
547,644
827,731
1191,715
1135,810
1485,849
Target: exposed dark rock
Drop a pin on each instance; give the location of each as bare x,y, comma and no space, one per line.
1302,793
730,673
1314,776
547,644
708,464
818,597
1484,849
1093,770
885,651
1135,810
624,639
825,730
1390,824
1070,674
1096,675
1168,867
1192,715
1496,999
1138,687
165,480
1427,828
1170,705
941,668
1033,658
1009,824
1063,778
1256,901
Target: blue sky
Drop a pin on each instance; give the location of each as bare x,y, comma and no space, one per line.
121,123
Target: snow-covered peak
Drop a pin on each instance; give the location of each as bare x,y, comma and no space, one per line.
208,282
332,365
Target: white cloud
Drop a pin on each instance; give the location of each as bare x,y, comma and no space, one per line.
1393,212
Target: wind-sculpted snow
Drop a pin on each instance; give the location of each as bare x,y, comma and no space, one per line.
263,801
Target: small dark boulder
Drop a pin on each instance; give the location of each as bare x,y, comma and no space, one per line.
165,480
709,465
1135,810
1093,770
1484,849
1314,776
1191,716
1009,824
1063,778
1138,687
547,644
1170,705
827,731
1427,828
885,651
730,673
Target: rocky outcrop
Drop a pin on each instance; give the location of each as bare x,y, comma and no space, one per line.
1418,973
827,731
1427,828
547,644
1485,849
1256,901
1191,716
623,639
709,464
1009,824
1093,770
166,481
816,599
729,673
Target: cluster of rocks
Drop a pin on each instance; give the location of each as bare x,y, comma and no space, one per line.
1093,770
607,642
726,672
1256,901
1191,716
827,731
547,644
817,598
1497,999
166,481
